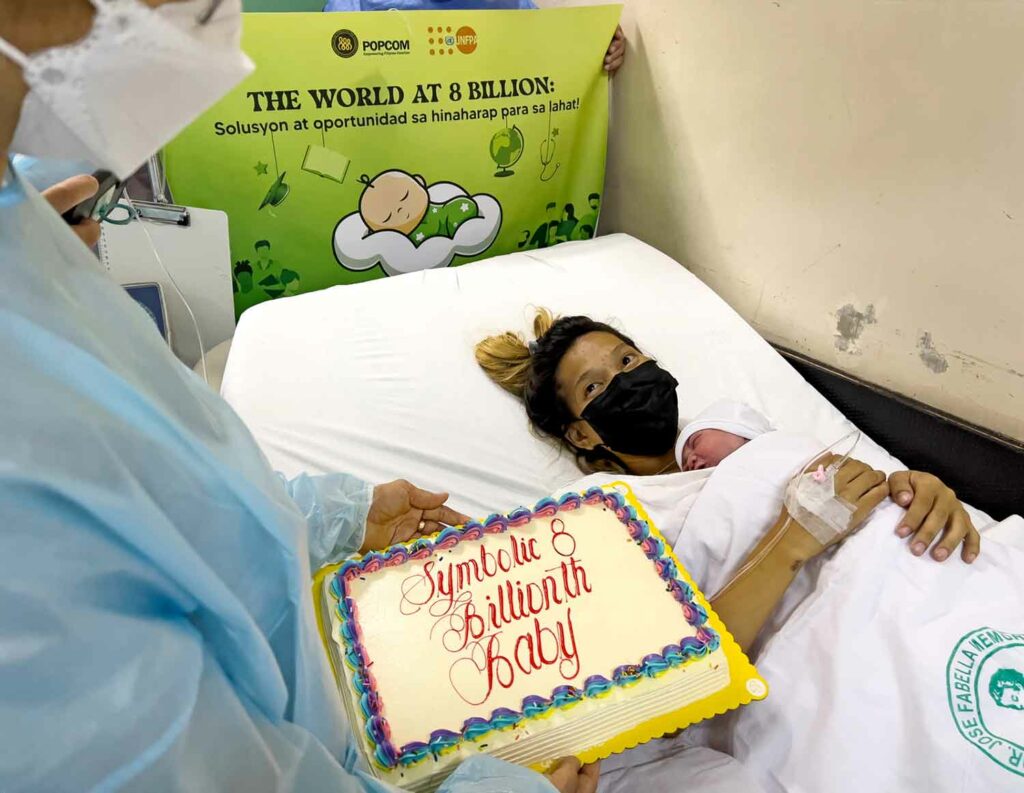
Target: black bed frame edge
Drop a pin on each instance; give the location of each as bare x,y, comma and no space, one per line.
985,468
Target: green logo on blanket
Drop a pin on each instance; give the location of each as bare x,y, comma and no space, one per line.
985,684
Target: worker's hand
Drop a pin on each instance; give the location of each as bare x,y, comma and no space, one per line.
616,52
569,777
71,192
856,483
400,511
933,508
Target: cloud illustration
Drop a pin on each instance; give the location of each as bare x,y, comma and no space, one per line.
357,248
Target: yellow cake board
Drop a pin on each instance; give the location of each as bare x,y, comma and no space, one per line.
745,683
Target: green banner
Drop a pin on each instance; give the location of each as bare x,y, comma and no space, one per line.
372,144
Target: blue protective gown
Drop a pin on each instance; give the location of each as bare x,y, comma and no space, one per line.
43,173
156,624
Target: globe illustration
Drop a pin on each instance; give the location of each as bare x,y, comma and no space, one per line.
506,149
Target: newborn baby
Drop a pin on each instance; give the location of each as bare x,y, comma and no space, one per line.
717,432
398,201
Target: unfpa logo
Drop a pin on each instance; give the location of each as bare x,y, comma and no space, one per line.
465,39
445,40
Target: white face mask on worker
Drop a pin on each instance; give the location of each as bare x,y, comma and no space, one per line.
137,79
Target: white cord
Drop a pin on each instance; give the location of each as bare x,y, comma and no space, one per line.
804,468
174,283
756,560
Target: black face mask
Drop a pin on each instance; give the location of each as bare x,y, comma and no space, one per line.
638,413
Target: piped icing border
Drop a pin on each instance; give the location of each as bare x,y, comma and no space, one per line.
386,754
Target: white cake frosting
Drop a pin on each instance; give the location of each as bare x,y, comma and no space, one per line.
532,636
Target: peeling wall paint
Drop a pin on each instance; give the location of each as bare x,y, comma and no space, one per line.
929,356
802,188
850,324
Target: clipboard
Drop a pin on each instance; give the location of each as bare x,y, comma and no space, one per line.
193,245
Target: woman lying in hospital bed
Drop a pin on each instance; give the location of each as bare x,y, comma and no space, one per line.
588,386
882,666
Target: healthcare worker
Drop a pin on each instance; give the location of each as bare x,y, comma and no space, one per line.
156,624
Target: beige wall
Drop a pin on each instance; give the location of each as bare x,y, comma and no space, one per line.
849,175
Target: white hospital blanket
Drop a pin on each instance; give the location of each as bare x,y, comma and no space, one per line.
867,689
865,675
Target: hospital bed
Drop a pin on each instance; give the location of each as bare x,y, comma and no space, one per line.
379,380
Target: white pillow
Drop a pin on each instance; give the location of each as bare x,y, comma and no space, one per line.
379,380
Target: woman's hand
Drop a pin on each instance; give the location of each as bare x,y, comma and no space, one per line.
400,511
570,777
856,483
933,508
616,52
70,193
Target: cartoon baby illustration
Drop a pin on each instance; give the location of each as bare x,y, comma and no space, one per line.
405,225
398,201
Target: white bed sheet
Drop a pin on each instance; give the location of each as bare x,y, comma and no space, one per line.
379,379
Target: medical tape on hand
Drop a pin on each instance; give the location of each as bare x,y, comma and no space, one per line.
812,502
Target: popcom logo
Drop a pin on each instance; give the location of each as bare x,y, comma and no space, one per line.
345,43
387,47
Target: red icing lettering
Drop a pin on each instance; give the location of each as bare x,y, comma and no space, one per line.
466,577
543,646
579,578
567,644
464,624
473,677
551,591
448,581
446,588
561,540
488,563
417,590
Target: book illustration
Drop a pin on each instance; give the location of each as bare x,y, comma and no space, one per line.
325,162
